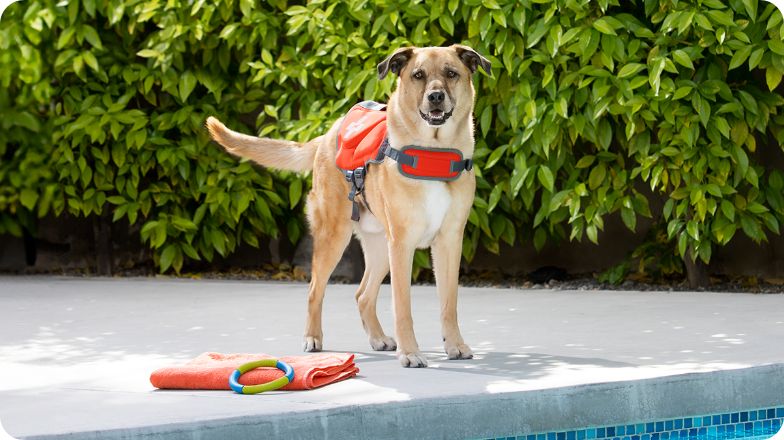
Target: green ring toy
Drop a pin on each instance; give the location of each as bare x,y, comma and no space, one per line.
288,376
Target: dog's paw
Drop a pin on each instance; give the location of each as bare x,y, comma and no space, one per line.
384,343
312,344
459,351
412,360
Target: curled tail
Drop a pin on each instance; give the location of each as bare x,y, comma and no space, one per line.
273,153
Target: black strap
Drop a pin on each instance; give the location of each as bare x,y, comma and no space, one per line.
461,165
397,155
357,180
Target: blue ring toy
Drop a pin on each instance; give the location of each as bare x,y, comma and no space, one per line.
288,376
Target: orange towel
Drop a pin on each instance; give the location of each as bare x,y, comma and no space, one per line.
210,371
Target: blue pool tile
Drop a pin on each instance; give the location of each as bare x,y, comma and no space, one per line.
779,412
725,418
561,436
734,418
590,433
761,414
698,421
550,436
571,435
665,435
776,423
635,437
650,427
766,424
687,423
645,437
581,434
601,433
611,431
531,437
678,423
752,415
659,426
541,437
631,429
668,425
744,416
619,430
771,413
706,421
640,428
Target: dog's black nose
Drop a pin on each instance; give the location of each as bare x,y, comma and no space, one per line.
436,97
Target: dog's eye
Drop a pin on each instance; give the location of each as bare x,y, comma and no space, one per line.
451,74
418,74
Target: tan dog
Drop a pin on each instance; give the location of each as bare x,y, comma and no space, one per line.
431,107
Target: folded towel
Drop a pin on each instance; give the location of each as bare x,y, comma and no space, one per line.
211,371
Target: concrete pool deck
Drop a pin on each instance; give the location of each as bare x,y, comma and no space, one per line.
76,355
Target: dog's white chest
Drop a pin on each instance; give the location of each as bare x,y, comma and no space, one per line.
435,205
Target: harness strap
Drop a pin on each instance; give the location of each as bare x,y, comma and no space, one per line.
357,180
397,155
458,166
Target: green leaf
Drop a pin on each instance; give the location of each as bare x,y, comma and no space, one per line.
148,53
92,36
630,69
740,57
186,85
28,197
629,218
597,175
545,177
167,257
295,191
776,46
772,77
585,161
682,58
603,25
486,119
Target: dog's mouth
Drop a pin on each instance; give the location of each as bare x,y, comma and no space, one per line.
435,117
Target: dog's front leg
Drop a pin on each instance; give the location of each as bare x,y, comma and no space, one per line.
446,250
401,257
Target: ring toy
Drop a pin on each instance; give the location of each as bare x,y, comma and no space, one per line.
288,376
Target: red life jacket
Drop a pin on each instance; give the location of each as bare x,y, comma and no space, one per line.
362,140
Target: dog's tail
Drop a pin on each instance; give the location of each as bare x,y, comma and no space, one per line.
273,153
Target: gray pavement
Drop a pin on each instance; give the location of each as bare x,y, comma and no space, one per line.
76,354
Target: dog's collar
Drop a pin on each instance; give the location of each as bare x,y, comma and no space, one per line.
441,164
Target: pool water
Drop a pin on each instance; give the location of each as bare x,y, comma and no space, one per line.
758,424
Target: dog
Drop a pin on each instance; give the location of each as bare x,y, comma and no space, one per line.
432,107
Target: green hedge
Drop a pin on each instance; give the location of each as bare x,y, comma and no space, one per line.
594,108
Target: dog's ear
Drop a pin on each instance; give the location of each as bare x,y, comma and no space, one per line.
395,62
471,59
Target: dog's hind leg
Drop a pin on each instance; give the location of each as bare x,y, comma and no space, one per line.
375,250
331,230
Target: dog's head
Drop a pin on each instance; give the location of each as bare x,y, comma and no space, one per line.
435,81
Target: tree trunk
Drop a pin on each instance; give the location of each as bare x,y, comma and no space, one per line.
102,240
696,271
